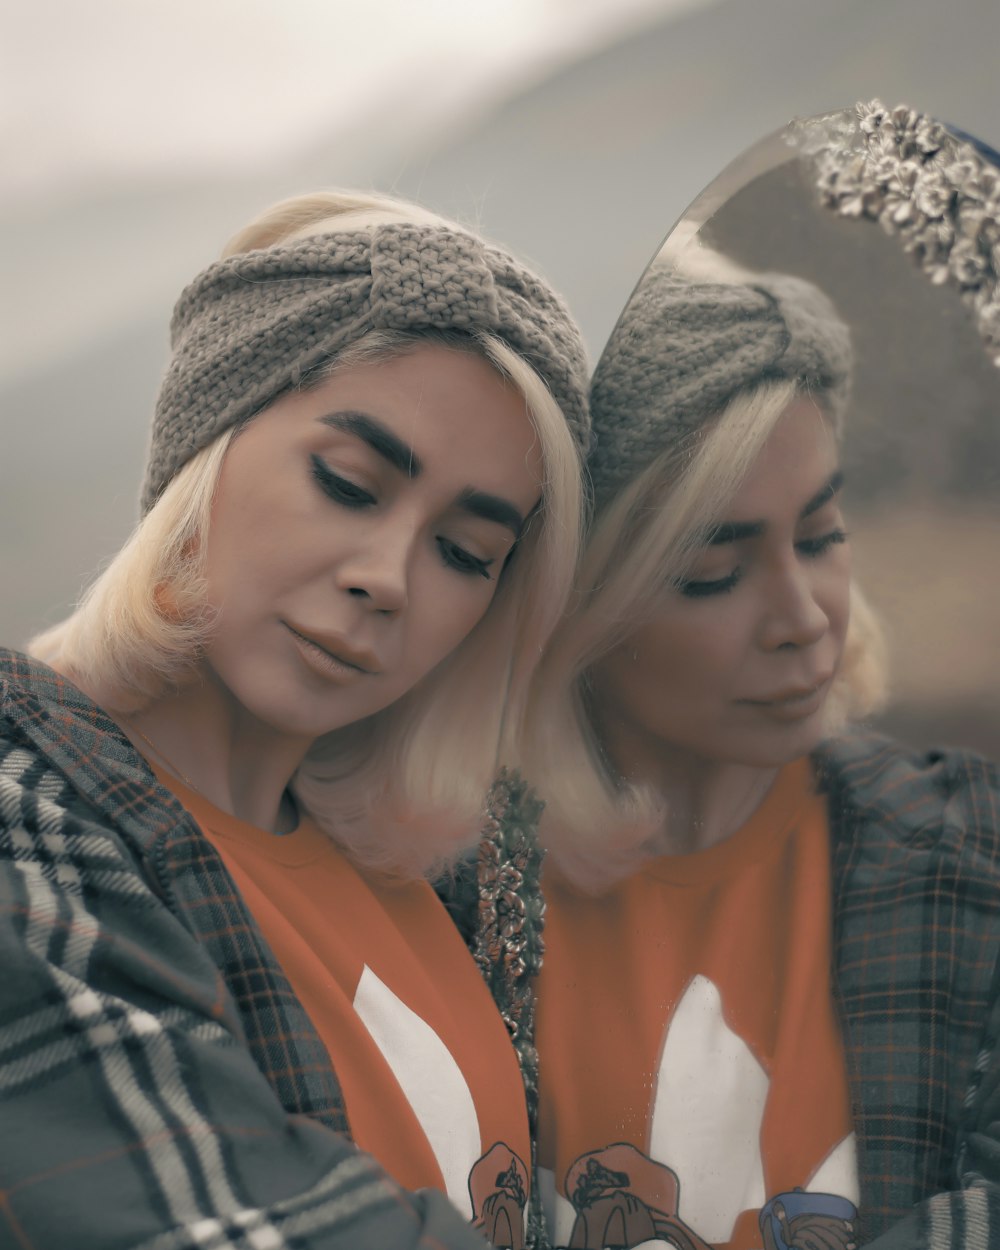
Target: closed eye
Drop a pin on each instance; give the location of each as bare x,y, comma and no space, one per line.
702,589
340,489
462,561
813,547
350,495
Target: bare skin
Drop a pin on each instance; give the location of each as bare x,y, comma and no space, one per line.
728,681
357,536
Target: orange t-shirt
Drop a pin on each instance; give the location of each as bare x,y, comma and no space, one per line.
430,1080
691,1063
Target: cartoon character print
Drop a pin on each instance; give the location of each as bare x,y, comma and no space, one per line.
498,1187
804,1221
492,1191
624,1200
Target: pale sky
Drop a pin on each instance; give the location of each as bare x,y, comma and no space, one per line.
102,99
99,90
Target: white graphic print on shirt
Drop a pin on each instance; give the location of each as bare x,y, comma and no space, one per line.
489,1189
703,1163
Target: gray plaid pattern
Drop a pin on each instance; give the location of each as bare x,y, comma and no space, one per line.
915,843
136,1110
916,880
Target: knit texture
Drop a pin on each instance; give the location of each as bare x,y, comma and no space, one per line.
683,349
252,326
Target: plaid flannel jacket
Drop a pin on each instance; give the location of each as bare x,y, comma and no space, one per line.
160,1084
916,882
915,843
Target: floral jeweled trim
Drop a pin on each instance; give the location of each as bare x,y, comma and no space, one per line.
923,184
507,943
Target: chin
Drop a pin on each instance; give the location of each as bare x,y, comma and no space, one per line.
290,709
278,693
802,741
771,746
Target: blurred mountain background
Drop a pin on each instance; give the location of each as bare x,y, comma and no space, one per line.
135,138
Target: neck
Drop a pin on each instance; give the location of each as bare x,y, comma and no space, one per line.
706,801
203,737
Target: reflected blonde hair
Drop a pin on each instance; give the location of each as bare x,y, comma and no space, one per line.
402,790
597,827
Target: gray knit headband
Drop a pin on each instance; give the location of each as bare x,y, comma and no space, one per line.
252,326
684,348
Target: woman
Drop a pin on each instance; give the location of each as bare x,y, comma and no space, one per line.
278,709
768,1013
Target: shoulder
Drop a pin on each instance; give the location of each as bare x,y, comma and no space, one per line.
30,702
923,796
40,703
877,766
59,850
48,720
21,677
56,741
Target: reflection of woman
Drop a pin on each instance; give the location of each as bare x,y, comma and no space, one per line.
364,466
769,971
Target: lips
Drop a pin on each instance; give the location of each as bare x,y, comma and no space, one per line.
798,695
792,702
337,649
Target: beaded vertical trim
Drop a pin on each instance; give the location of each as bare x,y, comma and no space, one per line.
925,185
507,943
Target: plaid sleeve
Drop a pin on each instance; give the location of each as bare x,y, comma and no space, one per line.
968,1216
133,1114
948,971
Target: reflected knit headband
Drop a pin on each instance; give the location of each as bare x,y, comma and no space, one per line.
252,326
683,349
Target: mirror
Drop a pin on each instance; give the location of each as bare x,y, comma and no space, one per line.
922,434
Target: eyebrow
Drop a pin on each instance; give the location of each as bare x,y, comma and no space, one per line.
380,439
823,496
735,531
402,457
491,508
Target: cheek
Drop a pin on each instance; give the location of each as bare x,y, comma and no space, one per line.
449,612
243,560
268,547
693,651
836,596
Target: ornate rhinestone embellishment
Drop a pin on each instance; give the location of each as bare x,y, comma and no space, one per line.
923,184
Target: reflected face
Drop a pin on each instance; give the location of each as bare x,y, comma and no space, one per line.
736,665
358,532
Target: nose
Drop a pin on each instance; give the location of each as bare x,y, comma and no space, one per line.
378,570
794,617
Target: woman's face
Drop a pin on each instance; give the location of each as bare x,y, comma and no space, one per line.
737,663
358,532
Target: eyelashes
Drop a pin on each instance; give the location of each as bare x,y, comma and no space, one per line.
463,561
810,548
702,589
350,495
340,489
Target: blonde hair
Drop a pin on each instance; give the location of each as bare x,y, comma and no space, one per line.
402,790
142,623
597,827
